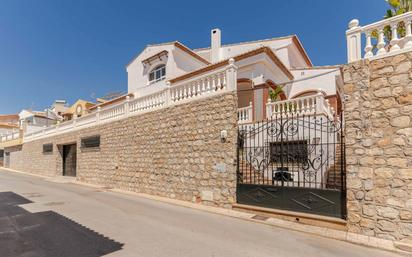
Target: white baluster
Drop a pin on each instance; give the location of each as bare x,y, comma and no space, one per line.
202,87
179,93
212,83
184,92
368,47
395,39
193,88
172,94
299,107
208,84
127,106
219,81
303,108
199,87
408,36
188,90
381,42
312,105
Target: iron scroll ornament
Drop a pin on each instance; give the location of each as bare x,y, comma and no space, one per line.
254,142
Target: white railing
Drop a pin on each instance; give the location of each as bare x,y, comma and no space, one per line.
384,46
244,114
303,106
214,82
9,136
148,102
112,112
203,85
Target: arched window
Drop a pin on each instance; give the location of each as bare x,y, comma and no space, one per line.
157,74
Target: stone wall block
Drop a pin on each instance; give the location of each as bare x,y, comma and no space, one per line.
379,146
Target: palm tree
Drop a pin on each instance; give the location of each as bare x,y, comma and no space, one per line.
274,94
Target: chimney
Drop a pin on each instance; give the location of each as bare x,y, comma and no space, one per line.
215,38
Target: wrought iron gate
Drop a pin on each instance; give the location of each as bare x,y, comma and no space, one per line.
293,163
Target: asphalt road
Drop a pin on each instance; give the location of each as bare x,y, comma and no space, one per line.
43,218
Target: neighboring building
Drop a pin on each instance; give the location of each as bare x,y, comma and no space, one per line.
78,109
31,121
8,123
9,118
59,107
9,130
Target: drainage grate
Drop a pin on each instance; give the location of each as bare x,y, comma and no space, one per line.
260,217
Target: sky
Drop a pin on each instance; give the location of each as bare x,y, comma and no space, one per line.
71,49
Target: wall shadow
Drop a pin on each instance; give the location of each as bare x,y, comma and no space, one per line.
46,234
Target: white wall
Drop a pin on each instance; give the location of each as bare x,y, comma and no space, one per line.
325,82
177,63
284,48
32,128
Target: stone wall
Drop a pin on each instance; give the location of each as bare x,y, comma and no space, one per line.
378,115
174,152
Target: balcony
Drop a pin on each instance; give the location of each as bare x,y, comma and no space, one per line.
299,107
11,139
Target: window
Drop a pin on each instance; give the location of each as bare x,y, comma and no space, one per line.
289,151
157,74
47,148
89,142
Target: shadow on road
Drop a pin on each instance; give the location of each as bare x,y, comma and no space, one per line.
46,234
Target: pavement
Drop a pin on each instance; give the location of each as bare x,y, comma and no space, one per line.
45,217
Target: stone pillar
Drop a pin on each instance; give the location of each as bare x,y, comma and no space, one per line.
378,114
353,41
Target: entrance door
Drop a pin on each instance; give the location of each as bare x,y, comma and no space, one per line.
69,160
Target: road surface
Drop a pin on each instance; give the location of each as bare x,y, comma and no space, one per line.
39,217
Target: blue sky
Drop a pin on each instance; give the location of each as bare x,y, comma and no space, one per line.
54,49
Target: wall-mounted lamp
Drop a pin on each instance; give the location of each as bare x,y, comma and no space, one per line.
223,136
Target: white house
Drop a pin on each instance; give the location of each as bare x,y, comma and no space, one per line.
304,114
309,103
262,66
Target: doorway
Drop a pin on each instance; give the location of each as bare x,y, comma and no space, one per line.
69,160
